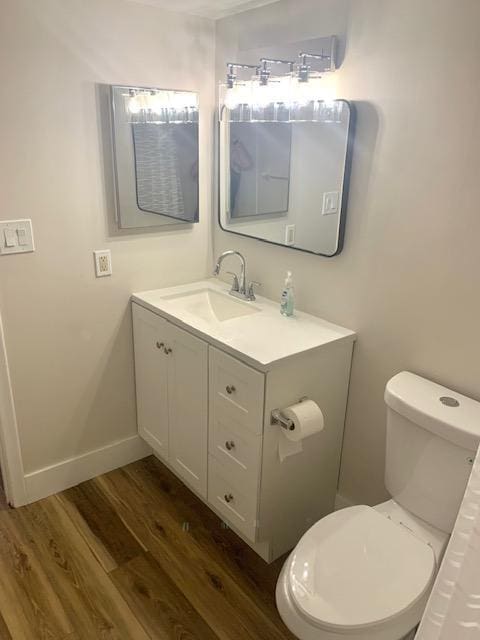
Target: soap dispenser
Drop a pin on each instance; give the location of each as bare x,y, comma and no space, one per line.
287,302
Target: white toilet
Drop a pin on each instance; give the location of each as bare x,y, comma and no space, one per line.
365,573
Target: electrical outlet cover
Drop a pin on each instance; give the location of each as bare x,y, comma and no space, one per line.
103,263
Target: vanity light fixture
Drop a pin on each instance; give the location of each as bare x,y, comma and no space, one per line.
304,69
232,76
157,106
291,96
265,72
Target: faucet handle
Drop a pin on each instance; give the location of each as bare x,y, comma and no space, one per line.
251,289
235,284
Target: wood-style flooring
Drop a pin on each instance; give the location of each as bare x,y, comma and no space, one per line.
112,559
3,500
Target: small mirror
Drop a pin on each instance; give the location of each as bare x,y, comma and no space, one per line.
155,145
286,181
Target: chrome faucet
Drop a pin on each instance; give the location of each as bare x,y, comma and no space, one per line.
239,285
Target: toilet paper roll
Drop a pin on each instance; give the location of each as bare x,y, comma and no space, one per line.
307,418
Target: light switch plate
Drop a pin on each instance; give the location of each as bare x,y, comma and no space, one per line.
331,201
16,236
290,234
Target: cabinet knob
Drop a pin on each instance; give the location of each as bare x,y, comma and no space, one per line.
167,350
228,497
230,444
230,389
160,345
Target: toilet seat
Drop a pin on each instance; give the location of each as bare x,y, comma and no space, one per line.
356,569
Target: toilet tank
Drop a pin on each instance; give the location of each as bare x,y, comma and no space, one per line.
432,437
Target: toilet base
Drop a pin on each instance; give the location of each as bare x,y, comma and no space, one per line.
303,630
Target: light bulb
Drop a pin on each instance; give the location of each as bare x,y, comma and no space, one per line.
178,100
134,105
303,93
158,101
262,96
192,100
231,99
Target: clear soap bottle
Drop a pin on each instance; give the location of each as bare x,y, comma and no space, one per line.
287,302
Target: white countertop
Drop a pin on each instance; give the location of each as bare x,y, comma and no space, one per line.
261,339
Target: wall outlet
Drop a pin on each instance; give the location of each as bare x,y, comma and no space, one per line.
103,263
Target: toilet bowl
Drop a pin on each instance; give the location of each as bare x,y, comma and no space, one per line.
361,572
365,573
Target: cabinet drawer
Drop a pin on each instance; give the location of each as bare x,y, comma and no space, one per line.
237,506
237,448
237,391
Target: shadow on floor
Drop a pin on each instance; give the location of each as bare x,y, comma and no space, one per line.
3,500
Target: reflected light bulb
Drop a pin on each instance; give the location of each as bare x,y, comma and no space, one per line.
178,100
157,102
134,105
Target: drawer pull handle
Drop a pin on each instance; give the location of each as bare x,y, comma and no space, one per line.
230,444
230,389
160,345
167,350
228,497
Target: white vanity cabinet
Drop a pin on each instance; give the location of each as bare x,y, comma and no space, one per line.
205,405
171,369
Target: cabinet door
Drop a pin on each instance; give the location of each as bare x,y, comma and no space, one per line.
149,334
188,407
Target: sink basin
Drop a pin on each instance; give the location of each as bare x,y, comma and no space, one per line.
255,332
211,305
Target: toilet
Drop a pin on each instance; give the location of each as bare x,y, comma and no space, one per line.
365,573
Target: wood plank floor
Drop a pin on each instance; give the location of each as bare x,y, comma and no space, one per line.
3,501
110,559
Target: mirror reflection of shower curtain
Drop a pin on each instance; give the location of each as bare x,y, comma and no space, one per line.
166,168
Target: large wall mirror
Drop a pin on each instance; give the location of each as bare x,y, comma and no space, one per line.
155,147
283,176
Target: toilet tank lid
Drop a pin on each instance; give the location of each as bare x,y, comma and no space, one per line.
441,411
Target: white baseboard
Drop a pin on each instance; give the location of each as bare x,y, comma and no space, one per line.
341,502
68,473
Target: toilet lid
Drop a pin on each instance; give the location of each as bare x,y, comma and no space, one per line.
357,568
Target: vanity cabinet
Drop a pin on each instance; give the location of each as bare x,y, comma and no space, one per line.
171,369
205,409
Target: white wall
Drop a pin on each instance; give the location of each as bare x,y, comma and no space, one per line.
408,278
68,334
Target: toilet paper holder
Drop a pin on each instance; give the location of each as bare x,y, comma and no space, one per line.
277,417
